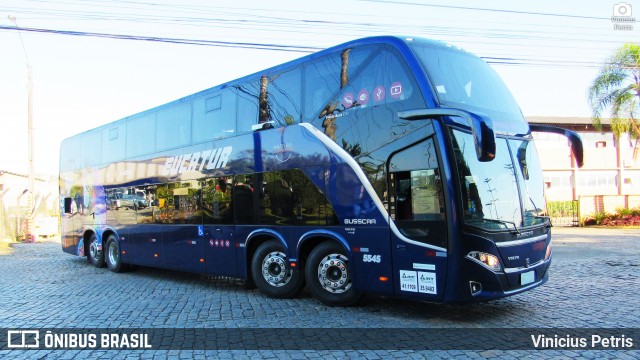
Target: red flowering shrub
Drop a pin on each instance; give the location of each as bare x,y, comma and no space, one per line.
617,220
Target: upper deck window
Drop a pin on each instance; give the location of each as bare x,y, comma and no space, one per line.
462,80
284,97
141,135
353,79
214,116
173,127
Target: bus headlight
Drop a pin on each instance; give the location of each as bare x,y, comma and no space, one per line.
489,261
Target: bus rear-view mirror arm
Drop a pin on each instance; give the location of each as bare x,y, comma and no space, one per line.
481,127
574,140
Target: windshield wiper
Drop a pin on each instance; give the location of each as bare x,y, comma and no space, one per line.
515,227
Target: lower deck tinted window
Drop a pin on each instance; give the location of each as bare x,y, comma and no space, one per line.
217,195
177,203
280,198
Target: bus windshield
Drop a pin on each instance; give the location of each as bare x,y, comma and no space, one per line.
495,192
462,80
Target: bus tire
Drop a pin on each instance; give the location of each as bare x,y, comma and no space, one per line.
95,255
272,274
113,255
329,275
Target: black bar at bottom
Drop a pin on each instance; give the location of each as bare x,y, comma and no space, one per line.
323,339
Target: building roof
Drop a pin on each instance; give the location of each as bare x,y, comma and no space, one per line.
570,122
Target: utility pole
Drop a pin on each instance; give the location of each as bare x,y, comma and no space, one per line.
31,200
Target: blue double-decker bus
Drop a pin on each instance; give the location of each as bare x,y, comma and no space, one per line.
391,166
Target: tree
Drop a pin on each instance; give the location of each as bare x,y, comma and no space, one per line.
617,88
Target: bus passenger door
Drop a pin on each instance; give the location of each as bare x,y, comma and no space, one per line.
419,227
219,229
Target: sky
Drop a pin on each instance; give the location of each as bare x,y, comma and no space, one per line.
546,51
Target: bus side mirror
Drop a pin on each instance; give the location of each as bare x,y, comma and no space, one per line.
574,140
481,127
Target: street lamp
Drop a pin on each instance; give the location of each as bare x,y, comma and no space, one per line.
30,201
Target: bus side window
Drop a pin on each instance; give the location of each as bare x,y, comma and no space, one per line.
214,116
186,200
146,202
321,85
244,197
173,127
284,94
141,135
216,203
417,202
247,95
163,211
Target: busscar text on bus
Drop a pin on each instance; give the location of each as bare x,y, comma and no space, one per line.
390,166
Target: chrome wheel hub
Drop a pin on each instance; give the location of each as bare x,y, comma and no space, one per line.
94,252
113,253
333,273
274,269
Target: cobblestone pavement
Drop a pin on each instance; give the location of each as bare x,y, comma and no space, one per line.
593,284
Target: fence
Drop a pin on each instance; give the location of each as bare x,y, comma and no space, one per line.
564,213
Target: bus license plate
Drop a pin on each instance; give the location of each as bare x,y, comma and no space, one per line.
528,277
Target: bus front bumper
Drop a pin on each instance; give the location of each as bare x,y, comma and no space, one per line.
485,285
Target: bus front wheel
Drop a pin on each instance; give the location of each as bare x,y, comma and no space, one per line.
272,274
329,275
96,255
113,255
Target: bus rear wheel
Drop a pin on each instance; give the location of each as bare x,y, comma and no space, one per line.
272,274
96,254
329,275
113,254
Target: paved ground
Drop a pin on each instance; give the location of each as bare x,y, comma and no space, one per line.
594,284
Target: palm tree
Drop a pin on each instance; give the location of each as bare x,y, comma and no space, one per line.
617,88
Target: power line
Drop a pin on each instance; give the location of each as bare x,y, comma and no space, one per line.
272,23
290,48
480,39
311,26
242,45
491,10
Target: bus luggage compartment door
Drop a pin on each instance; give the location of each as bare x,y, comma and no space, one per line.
142,245
184,247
